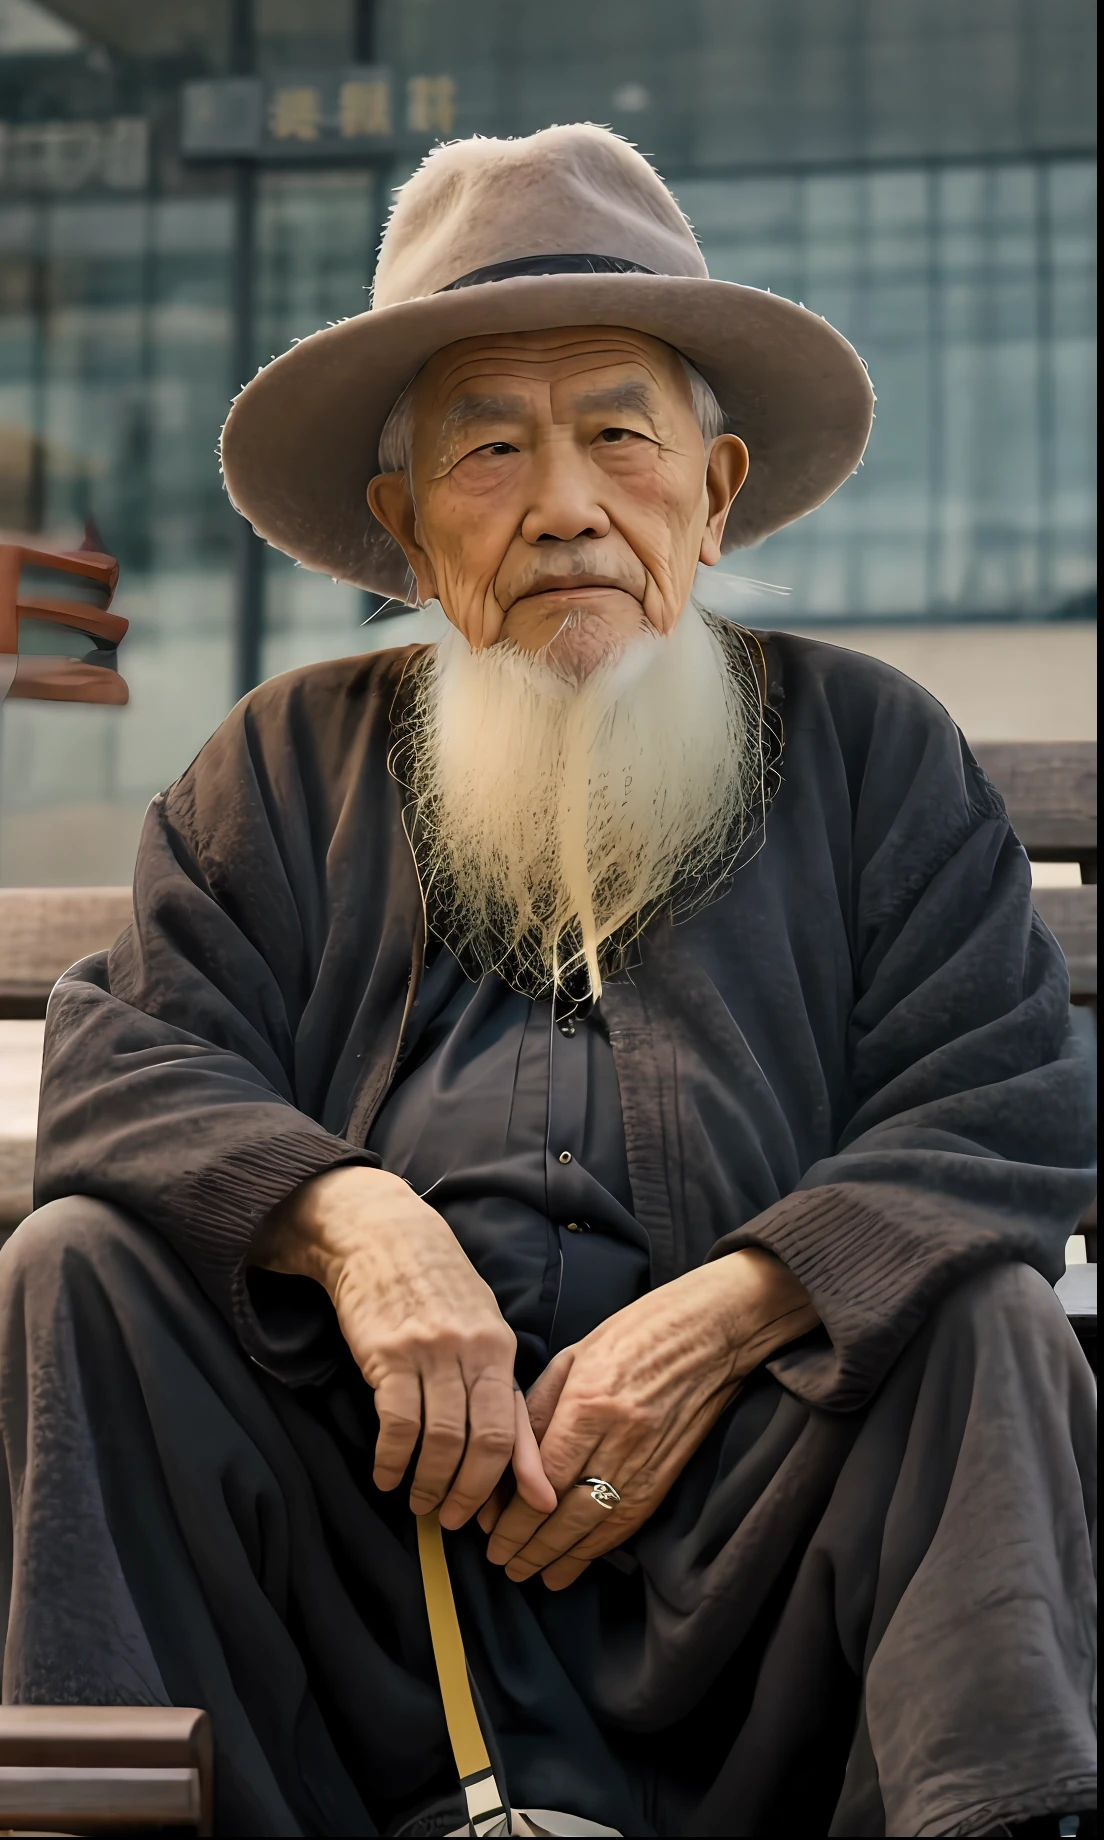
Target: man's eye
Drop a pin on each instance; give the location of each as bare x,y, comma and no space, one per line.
617,434
496,447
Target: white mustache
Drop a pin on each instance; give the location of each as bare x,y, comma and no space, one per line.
570,568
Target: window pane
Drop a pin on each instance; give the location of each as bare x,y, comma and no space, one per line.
968,292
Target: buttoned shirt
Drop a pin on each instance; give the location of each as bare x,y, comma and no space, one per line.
505,1115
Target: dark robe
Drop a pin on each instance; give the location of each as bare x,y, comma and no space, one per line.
863,1607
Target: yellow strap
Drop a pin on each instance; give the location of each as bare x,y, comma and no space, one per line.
465,1736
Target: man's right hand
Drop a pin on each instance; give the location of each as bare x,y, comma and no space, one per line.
425,1331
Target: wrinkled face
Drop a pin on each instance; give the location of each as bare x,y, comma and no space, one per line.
560,494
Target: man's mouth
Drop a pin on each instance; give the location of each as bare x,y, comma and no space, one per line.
571,584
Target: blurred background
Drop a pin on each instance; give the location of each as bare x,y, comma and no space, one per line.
188,185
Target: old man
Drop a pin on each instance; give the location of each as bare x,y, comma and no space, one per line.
599,1078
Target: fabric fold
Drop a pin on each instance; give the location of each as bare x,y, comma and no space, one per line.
858,1054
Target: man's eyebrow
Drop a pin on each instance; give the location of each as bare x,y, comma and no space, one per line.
482,409
629,395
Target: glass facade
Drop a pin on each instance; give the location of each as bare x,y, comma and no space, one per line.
968,288
919,171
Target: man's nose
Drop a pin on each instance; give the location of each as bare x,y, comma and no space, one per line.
563,506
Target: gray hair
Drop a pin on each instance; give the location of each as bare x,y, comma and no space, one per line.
710,416
396,442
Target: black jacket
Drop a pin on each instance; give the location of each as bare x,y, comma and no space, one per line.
858,1056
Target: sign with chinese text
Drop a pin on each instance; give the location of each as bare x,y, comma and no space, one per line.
71,156
315,115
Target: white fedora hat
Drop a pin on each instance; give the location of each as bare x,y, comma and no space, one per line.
567,227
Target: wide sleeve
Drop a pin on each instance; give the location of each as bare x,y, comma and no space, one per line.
970,1128
169,1076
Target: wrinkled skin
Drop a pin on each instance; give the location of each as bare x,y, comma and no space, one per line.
559,472
632,1401
426,1332
555,474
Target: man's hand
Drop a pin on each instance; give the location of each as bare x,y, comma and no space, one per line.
632,1401
425,1331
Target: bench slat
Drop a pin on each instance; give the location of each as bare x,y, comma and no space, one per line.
45,930
1070,914
110,1768
1049,788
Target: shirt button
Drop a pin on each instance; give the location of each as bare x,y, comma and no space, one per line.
565,1156
573,1226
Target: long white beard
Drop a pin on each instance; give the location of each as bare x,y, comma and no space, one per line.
550,814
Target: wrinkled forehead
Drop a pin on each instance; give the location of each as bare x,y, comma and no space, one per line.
566,362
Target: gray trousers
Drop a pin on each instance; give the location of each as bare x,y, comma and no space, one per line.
878,1622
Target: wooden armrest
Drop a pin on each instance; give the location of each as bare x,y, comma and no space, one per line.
76,1769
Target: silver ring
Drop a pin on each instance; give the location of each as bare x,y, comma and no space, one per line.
603,1493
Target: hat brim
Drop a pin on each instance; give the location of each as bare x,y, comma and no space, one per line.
300,444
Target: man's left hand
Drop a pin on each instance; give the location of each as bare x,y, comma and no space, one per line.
633,1400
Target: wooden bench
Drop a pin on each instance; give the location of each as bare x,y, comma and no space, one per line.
42,932
111,1767
1050,791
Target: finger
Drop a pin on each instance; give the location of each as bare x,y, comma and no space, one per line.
526,1463
533,1485
494,1505
564,1572
581,1525
444,1433
577,1516
519,1520
617,1527
491,1431
514,1528
544,1395
569,1447
613,1527
399,1410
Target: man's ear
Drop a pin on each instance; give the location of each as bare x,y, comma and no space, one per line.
392,504
725,472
